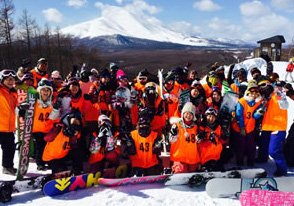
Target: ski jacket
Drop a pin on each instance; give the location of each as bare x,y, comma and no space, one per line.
140,88
42,123
104,97
245,115
92,111
235,87
98,156
182,86
290,67
185,148
207,89
8,99
38,77
144,157
159,117
275,118
207,149
172,101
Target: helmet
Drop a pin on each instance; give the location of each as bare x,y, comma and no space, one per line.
27,76
273,77
44,83
211,110
41,60
74,113
103,119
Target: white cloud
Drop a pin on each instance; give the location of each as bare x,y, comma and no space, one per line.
139,5
254,9
206,5
119,1
53,15
77,3
285,5
181,27
261,22
223,25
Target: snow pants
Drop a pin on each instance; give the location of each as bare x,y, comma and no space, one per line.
245,146
39,147
8,148
272,144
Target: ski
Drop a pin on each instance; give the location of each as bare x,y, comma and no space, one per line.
265,198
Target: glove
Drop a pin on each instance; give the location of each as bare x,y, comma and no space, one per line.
242,132
201,136
174,130
212,138
69,131
261,111
57,104
24,106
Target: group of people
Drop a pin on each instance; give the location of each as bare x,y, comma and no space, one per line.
103,118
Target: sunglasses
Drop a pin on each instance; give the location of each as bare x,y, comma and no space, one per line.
7,73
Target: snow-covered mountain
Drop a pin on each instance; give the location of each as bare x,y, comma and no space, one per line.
116,23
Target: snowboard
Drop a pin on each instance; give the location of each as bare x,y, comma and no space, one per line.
8,187
198,178
65,185
132,180
231,188
25,135
266,198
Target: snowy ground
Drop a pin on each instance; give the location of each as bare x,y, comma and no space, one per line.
146,194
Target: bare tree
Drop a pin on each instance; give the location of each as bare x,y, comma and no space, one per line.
6,26
27,28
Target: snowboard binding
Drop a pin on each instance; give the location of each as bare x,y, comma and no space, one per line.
6,189
196,181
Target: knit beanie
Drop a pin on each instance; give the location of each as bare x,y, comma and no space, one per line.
189,107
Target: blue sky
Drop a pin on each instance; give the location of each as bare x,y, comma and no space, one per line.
233,19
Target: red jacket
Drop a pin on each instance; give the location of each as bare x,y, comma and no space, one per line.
290,67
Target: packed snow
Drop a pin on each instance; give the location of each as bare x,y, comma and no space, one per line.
115,20
144,194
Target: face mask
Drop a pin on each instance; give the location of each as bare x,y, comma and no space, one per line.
144,131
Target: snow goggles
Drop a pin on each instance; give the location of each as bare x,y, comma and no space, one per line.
253,89
44,82
216,88
142,78
7,73
264,84
211,110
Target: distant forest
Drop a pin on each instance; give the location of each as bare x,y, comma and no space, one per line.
28,40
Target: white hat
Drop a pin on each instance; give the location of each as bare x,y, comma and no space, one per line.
55,75
189,107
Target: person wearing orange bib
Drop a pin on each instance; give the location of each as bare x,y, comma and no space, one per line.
42,124
246,114
184,152
103,146
63,144
274,126
209,141
147,147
